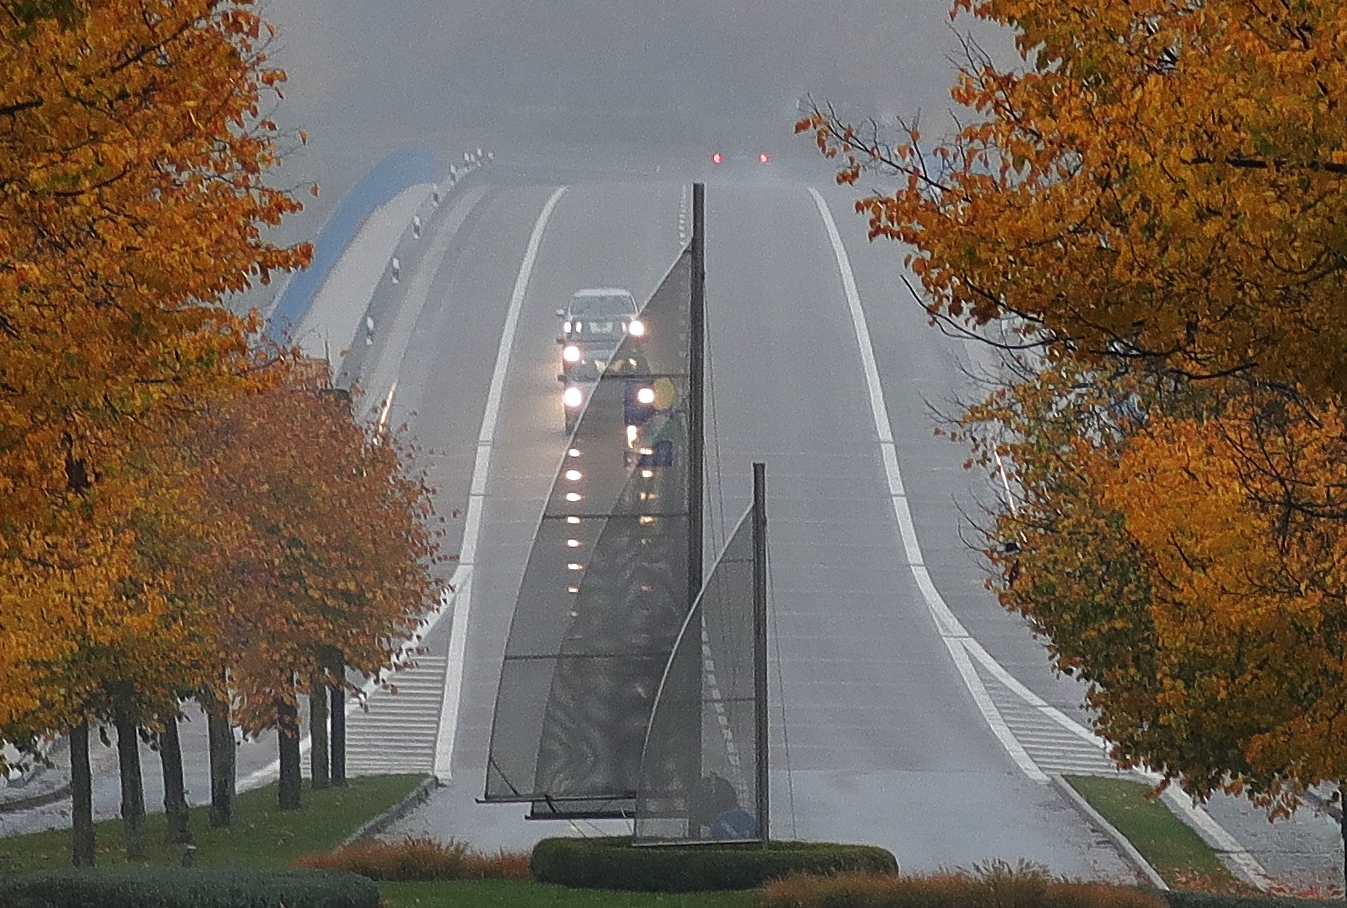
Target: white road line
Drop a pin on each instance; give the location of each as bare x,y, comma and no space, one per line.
1152,875
995,720
951,629
1245,864
388,405
461,584
960,643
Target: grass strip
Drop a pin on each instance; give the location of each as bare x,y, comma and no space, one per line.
523,894
264,836
1178,854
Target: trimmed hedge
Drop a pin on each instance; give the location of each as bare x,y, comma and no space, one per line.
173,887
615,863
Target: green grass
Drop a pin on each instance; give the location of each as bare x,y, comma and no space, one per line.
523,894
264,836
1177,853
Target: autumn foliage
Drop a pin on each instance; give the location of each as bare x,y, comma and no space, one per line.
186,513
1151,204
1156,179
418,858
1181,546
323,544
133,160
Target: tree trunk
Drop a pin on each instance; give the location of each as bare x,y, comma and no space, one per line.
175,793
287,734
223,762
81,798
338,719
319,767
133,788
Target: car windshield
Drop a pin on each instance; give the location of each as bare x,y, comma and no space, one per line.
591,307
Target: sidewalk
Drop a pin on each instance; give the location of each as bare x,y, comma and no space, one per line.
40,785
48,793
1302,855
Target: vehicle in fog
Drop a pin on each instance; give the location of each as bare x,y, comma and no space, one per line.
593,326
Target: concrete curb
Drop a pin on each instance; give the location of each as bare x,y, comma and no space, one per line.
1129,850
372,827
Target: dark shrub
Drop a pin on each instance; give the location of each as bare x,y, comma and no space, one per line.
614,863
1182,898
171,887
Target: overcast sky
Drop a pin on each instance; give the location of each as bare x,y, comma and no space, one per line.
367,76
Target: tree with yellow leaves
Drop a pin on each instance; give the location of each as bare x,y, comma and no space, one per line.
1246,541
1155,198
134,160
1181,546
1155,180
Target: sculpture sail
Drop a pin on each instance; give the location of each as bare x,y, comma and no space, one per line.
605,590
699,779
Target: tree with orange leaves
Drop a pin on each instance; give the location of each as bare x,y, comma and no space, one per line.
1154,180
327,547
1181,546
1154,197
1246,542
134,160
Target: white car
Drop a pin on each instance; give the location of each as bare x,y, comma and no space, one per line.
593,325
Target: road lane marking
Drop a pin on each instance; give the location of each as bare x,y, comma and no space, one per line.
1246,865
388,405
995,720
391,353
950,628
460,585
961,645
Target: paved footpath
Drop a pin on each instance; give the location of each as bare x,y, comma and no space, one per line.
1302,855
255,757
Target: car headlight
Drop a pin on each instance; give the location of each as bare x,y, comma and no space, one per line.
572,397
645,396
636,328
570,353
566,327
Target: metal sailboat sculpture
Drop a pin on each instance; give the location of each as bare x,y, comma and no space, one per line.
621,693
704,765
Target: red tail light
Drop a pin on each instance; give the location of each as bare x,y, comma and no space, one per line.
717,157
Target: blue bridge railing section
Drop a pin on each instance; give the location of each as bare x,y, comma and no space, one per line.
404,261
385,180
